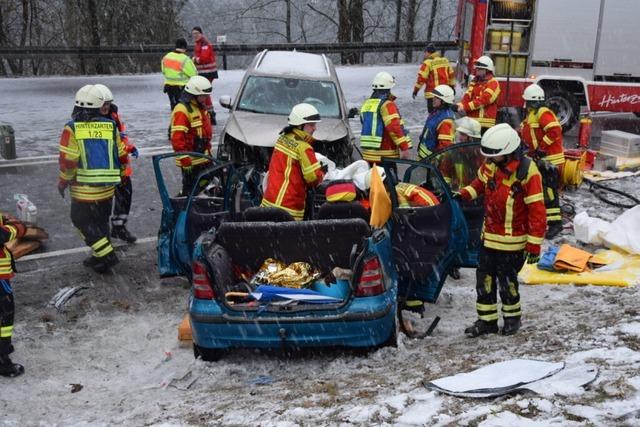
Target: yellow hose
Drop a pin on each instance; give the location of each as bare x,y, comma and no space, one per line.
572,173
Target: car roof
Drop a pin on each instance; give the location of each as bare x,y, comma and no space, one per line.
294,64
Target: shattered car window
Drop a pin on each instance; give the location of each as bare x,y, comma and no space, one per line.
277,95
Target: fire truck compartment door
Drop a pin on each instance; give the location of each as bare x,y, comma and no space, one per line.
618,49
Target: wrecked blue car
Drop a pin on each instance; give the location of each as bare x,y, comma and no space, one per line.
220,243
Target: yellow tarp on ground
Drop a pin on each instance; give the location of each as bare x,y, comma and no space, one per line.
623,270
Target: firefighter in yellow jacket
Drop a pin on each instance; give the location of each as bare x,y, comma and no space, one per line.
92,156
10,229
513,230
294,167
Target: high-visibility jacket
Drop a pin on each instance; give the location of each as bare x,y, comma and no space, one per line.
8,232
293,168
438,132
191,130
434,71
205,56
124,137
91,155
383,133
515,217
480,101
541,132
177,68
411,195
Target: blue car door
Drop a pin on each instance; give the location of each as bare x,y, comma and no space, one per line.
185,217
427,240
459,164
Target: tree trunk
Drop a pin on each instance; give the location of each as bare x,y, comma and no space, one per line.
411,28
95,32
356,19
344,33
432,18
396,37
288,20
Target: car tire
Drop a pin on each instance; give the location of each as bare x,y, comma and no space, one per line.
565,106
207,354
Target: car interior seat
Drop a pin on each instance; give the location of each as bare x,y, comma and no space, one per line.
256,214
343,210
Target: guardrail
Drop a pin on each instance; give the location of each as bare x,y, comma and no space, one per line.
222,49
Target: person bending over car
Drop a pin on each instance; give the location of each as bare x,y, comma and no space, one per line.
514,227
294,167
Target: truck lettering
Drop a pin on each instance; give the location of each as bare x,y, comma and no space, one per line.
609,100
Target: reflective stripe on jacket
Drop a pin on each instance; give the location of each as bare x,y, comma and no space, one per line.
91,155
515,215
124,137
438,132
205,56
394,137
293,168
480,101
411,195
434,71
541,132
8,233
191,130
177,68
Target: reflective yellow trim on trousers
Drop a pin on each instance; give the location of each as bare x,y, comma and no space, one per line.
6,331
101,248
486,307
513,310
488,317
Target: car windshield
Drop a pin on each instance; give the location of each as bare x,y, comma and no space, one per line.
277,95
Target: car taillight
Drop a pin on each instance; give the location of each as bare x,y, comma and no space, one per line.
201,282
370,283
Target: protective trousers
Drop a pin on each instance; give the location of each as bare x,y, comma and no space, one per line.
498,272
189,176
92,220
7,309
122,202
550,183
173,92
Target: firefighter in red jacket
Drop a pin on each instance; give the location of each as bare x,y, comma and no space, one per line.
434,71
513,228
383,133
191,131
10,229
294,167
124,190
91,159
204,56
541,133
480,101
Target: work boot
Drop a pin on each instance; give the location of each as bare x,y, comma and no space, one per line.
10,369
482,327
511,325
455,273
555,227
103,264
121,232
90,261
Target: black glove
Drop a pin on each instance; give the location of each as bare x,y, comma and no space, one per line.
456,196
532,258
414,94
324,168
62,186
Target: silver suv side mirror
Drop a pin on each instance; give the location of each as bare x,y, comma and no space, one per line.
225,101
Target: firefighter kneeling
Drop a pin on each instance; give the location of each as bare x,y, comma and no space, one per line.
513,230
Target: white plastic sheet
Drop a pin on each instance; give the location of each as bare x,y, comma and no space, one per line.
623,232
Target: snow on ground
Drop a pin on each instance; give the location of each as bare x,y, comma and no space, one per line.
112,358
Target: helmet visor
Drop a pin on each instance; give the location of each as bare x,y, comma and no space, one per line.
490,152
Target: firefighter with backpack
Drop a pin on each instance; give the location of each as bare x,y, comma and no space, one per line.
541,134
514,227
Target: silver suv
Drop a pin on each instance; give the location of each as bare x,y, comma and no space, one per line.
275,82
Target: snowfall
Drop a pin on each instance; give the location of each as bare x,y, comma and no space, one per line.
112,356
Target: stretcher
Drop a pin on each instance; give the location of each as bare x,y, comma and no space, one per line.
622,270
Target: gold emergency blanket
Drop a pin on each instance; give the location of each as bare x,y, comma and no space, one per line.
294,275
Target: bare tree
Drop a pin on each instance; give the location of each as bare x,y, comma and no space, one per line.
432,18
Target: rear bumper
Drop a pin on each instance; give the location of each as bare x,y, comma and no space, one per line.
366,322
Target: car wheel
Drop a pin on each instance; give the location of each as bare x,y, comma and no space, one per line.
207,354
566,107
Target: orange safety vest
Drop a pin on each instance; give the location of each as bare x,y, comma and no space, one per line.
515,215
480,101
292,169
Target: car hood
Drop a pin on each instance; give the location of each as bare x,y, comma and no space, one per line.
262,129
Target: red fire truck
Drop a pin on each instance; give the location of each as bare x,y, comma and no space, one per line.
584,53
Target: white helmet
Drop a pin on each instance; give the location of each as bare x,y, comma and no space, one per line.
303,113
444,92
499,140
198,85
533,93
89,96
486,63
383,80
469,126
108,96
